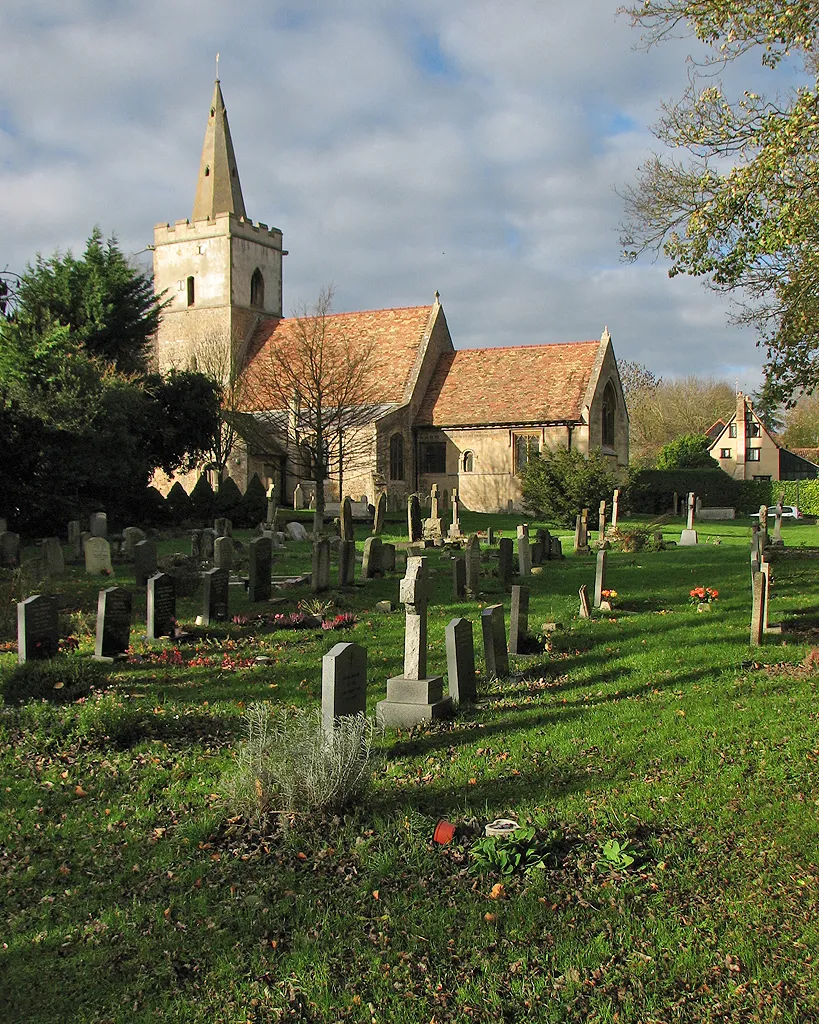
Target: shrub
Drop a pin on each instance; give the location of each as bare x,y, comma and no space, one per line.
288,763
228,499
60,680
253,506
691,451
178,504
153,509
558,484
203,500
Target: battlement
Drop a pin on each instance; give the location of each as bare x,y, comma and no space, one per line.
222,224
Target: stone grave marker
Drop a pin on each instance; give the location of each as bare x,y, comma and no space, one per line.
113,623
380,511
260,564
298,498
38,631
223,527
131,536
585,608
767,626
777,541
414,697
196,545
762,537
415,528
758,608
208,540
506,567
74,542
601,522
343,684
223,552
346,562
455,527
433,529
688,537
600,577
675,504
9,550
473,566
615,508
161,606
555,549
320,578
458,578
524,551
495,653
98,524
144,561
581,533
460,661
53,556
371,562
519,619
97,555
347,519
272,508
215,595
490,536
388,558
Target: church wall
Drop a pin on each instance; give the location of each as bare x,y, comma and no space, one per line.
265,253
594,435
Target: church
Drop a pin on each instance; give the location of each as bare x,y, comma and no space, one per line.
434,414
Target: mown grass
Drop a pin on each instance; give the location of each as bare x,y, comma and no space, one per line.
130,892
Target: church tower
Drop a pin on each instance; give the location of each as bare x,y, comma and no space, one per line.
221,272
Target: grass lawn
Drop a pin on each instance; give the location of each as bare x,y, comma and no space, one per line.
130,892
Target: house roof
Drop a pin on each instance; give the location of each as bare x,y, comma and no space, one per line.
811,454
396,334
716,429
516,384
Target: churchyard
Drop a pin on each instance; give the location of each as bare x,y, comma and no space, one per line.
662,768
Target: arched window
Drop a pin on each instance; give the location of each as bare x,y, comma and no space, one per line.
257,289
467,462
397,457
191,292
609,408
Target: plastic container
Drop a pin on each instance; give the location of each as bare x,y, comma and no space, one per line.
444,831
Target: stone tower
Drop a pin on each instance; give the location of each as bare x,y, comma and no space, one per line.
221,272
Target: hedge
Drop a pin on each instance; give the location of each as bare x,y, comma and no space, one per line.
652,490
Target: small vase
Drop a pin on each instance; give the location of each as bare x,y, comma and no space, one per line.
444,831
704,606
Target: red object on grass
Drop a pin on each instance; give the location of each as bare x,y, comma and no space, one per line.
444,831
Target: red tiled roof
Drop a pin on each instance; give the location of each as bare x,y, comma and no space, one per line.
396,333
519,384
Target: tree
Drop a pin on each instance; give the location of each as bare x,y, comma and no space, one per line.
321,386
691,451
801,423
558,484
741,208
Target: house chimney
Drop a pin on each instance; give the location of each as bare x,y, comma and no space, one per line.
742,437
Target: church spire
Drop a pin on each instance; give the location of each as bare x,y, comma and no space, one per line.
218,189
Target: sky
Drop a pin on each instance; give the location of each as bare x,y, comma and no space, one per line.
471,147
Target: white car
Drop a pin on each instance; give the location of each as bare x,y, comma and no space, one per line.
788,512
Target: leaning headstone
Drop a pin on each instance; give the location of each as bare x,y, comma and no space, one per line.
458,578
460,660
601,523
223,527
758,608
161,606
414,697
38,632
415,528
371,562
343,684
215,595
347,519
585,608
223,552
688,537
131,536
473,566
296,531
113,623
518,619
260,563
9,550
74,543
506,567
97,555
615,508
346,562
388,558
380,510
98,524
320,578
53,556
600,577
493,629
144,561
298,498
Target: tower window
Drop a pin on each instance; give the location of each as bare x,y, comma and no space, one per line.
207,172
191,292
257,289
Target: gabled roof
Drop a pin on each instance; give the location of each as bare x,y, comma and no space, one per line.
716,429
397,336
516,384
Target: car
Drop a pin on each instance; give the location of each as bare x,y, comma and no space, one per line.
788,512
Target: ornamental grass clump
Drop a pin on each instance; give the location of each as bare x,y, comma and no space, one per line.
289,764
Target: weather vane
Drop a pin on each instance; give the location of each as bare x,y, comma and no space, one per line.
217,67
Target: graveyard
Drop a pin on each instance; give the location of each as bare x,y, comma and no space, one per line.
650,728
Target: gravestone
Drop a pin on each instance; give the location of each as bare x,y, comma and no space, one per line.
758,608
97,555
688,537
460,661
506,566
675,504
74,543
208,540
777,541
38,631
762,538
490,536
346,563
347,519
98,524
414,697
9,550
388,558
495,653
473,566
615,508
223,527
53,556
581,533
272,507
260,563
298,498
433,527
215,595
196,545
296,531
320,578
519,619
458,578
380,510
371,562
585,608
524,551
144,561
601,523
343,684
113,623
161,606
415,528
131,536
600,577
455,527
223,552
767,626
555,549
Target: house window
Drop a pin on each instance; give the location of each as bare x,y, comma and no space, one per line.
467,462
525,447
753,454
763,479
752,429
257,289
732,430
725,453
609,407
397,457
433,456
191,292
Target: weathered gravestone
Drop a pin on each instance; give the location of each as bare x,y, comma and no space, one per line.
343,684
272,507
458,578
260,563
581,533
53,556
615,508
585,608
473,566
208,540
414,697
38,631
600,577
524,551
74,542
113,623
762,538
347,519
223,527
216,586
493,629
455,528
97,555
777,541
9,550
223,552
388,558
196,545
460,660
161,606
519,619
601,523
98,524
131,536
415,528
555,549
433,527
298,498
320,577
688,537
296,531
346,562
380,510
144,561
371,562
758,608
506,567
